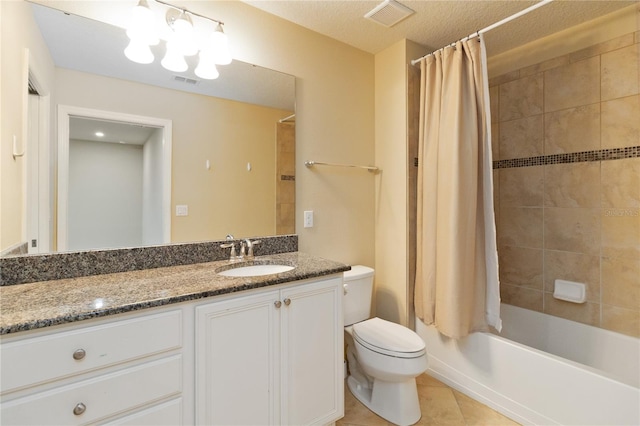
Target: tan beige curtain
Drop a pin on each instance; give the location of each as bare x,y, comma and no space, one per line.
456,270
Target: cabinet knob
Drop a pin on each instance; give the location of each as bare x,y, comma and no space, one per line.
79,409
287,301
79,354
278,304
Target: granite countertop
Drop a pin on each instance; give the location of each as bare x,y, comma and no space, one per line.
42,304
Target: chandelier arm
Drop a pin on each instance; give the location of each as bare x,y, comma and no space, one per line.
189,12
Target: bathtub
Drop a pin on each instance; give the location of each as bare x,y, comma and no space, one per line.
543,370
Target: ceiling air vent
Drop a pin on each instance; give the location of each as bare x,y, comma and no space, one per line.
185,80
389,13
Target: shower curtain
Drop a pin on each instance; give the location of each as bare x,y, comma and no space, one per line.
457,286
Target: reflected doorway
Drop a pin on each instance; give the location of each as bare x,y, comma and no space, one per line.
114,180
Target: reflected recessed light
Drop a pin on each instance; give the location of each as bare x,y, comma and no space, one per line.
99,134
122,142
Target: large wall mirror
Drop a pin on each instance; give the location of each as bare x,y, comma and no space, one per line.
232,160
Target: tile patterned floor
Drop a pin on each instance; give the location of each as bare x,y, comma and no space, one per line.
440,405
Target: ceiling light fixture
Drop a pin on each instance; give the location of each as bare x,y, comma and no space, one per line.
206,68
174,58
182,34
219,46
142,34
139,52
181,40
142,24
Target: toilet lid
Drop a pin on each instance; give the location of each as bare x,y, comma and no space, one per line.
388,338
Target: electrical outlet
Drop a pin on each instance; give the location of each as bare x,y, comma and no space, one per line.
182,210
308,219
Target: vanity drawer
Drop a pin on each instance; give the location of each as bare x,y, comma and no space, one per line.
98,398
165,414
54,355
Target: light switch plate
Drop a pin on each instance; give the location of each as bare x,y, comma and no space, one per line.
182,210
308,219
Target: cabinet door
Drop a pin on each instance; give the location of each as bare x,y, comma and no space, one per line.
312,353
237,367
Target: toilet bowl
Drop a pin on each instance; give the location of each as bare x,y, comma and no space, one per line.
384,358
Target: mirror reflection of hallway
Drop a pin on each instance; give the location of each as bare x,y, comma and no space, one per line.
114,180
114,185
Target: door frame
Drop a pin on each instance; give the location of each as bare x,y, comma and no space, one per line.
37,184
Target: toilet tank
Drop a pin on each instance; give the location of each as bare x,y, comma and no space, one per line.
358,286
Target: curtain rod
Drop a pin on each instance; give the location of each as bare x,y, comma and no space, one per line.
492,26
282,120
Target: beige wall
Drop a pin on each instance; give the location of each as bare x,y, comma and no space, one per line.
334,123
225,199
334,119
17,32
392,190
577,221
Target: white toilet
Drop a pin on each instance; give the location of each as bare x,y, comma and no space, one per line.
384,358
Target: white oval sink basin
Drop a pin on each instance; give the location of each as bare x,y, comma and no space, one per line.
255,270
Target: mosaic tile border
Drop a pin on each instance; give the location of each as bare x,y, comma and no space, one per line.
55,266
573,157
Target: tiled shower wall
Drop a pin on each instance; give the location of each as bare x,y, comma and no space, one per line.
286,178
566,140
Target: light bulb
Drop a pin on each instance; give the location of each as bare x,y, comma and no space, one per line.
142,24
173,59
219,46
183,35
206,68
138,51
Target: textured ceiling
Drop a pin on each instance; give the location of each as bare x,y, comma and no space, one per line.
437,23
97,46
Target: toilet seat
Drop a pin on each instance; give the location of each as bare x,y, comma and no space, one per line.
388,338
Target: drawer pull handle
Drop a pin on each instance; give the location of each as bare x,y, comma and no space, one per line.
287,301
277,303
79,354
79,409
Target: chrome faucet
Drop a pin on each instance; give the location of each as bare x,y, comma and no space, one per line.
232,257
247,245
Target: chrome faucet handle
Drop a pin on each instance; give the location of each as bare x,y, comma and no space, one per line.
243,249
233,255
253,243
230,237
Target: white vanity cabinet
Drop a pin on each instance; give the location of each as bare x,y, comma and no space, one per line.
94,371
272,358
267,356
